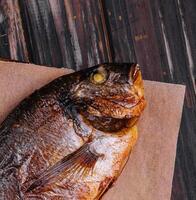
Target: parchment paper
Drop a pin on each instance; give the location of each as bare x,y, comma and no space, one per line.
149,171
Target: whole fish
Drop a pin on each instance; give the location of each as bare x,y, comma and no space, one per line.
71,139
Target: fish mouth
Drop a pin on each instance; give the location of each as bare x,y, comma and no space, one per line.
117,109
124,101
113,117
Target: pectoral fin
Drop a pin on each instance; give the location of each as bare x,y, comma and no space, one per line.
80,163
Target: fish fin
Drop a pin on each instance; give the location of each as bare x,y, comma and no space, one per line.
104,186
79,163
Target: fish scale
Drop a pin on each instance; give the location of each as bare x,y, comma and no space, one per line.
72,138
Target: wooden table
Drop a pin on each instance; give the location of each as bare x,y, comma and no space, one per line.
160,35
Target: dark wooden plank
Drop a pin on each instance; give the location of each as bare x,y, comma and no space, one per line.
188,15
12,40
184,183
4,43
131,28
64,33
178,190
180,52
119,31
164,44
186,146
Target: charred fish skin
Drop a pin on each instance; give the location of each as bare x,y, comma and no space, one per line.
72,138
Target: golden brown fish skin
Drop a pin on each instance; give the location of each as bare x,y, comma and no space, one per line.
72,138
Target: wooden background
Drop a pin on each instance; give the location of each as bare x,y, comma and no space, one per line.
160,35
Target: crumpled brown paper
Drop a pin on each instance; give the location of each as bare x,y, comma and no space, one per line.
149,171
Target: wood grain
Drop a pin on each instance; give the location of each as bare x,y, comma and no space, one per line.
64,33
179,52
120,31
133,25
12,40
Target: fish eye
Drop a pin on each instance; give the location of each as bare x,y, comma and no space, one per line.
98,77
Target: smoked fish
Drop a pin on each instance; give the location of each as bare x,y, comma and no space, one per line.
71,139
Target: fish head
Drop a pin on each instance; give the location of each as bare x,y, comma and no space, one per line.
111,96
